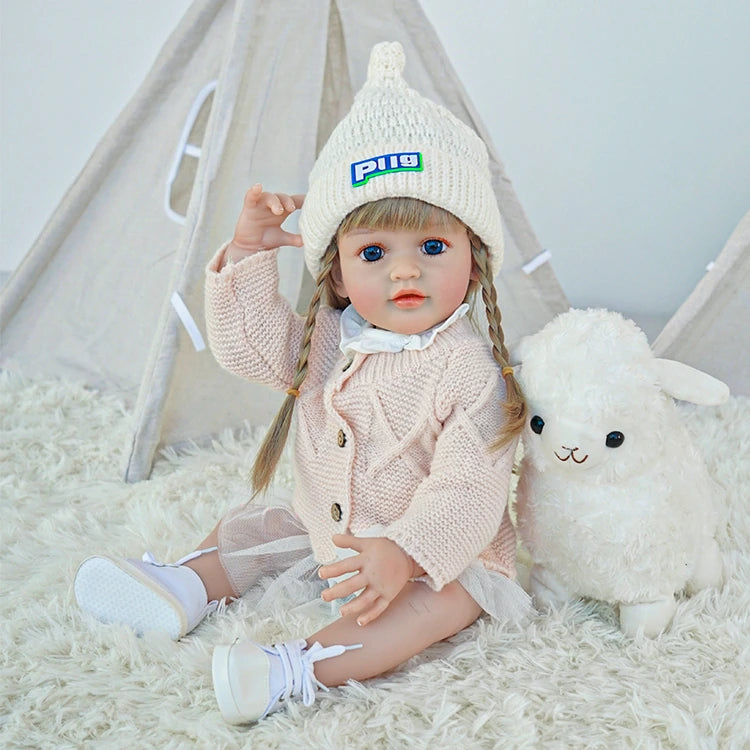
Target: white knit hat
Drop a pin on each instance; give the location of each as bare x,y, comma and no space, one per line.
395,143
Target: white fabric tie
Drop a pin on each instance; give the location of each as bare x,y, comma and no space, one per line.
357,335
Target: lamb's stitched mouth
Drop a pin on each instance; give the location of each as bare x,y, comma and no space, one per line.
570,455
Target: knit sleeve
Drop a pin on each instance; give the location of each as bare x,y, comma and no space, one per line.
459,509
252,330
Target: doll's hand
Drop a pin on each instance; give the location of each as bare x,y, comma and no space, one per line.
383,570
259,225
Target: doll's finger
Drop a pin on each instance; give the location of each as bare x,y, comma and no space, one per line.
293,240
347,565
280,204
274,204
358,606
373,612
253,194
344,588
289,203
347,541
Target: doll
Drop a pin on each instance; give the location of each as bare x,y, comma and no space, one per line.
406,420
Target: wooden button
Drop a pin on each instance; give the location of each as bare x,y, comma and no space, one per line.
341,439
336,513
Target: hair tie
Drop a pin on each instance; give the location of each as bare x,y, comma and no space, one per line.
507,371
293,392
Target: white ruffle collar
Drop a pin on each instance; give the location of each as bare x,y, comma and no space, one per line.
357,335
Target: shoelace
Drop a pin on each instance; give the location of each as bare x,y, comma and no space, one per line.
299,674
149,558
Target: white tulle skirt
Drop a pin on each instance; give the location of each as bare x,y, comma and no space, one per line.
265,550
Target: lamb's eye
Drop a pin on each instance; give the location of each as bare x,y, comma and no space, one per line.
614,439
536,424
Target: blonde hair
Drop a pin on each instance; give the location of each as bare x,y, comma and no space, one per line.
407,214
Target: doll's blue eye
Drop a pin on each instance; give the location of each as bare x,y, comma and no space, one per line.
433,247
371,253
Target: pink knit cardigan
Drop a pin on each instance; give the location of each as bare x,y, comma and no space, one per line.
399,439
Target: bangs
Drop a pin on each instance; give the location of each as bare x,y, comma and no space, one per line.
408,214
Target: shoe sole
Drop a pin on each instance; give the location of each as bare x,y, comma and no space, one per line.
222,688
113,591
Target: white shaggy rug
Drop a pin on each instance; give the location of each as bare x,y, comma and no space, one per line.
566,680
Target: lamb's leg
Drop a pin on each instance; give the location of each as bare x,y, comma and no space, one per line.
546,590
709,569
650,617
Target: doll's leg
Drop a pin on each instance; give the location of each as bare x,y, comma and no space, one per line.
210,570
416,619
149,595
251,680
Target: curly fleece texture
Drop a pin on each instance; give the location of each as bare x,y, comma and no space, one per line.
566,680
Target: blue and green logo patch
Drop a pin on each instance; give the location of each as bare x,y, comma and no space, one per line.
362,171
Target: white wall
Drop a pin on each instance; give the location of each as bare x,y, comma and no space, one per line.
625,127
67,69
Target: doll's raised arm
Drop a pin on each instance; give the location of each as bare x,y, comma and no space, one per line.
259,224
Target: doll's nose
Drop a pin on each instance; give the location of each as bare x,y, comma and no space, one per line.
404,269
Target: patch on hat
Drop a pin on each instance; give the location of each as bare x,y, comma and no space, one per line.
408,161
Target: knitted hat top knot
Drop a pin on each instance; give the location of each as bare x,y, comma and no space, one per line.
396,143
387,62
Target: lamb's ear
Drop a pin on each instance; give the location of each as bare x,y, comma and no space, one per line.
688,384
517,351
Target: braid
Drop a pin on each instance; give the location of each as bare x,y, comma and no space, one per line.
514,404
276,437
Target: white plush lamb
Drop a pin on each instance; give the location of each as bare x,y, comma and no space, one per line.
614,501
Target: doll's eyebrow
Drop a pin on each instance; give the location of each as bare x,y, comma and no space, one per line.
361,230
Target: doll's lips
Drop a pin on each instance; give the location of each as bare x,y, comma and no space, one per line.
408,299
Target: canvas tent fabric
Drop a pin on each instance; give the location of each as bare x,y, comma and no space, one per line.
242,92
711,329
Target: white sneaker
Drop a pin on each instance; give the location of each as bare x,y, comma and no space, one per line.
144,594
251,681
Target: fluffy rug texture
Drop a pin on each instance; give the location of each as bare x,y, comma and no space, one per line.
569,679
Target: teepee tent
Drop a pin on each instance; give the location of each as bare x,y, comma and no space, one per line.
711,329
111,294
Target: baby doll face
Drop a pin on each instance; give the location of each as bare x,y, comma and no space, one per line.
401,280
